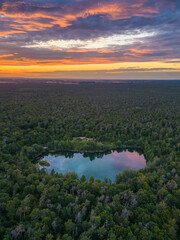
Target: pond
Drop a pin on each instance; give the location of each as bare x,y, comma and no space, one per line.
97,165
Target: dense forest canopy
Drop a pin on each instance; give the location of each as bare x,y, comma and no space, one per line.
41,117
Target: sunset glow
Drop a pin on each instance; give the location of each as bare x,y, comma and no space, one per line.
105,39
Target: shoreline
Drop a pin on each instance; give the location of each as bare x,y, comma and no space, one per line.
40,155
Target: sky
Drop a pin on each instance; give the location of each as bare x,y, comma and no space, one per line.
90,39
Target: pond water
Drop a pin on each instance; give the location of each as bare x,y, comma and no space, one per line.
98,165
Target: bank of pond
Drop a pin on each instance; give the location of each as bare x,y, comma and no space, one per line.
99,164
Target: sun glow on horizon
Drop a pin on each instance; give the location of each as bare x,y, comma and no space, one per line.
94,69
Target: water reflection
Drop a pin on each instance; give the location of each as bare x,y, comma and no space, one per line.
99,165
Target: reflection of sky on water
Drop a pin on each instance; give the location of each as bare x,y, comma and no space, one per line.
109,165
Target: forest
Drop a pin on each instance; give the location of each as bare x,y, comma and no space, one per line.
39,117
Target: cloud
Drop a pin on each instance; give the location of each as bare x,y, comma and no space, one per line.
39,32
99,43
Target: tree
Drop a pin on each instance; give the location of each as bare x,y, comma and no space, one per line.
69,226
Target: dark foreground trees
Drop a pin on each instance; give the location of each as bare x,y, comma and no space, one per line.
140,205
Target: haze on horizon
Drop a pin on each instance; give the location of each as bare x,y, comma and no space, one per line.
90,39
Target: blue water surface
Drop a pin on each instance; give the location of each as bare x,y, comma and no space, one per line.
97,165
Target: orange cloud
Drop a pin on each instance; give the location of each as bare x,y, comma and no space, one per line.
6,55
76,61
90,50
118,10
2,34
